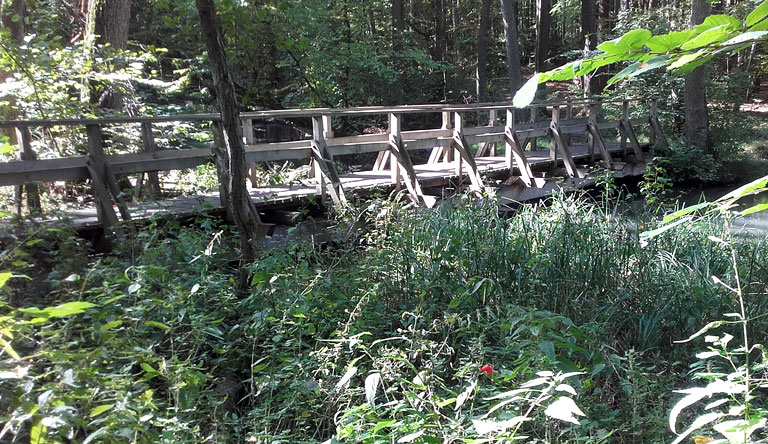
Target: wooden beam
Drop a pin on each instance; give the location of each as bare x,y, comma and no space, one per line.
658,134
626,125
570,165
325,167
95,164
149,146
514,149
463,156
552,143
401,161
27,153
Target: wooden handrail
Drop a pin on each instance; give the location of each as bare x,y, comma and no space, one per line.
311,112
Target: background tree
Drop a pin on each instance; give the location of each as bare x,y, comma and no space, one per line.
696,115
239,202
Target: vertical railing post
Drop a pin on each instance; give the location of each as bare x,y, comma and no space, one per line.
533,139
317,136
658,134
552,142
327,127
492,123
95,163
149,146
464,156
458,131
514,151
447,124
249,140
26,152
568,117
325,169
622,130
394,130
509,129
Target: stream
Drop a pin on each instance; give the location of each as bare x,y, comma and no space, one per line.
753,225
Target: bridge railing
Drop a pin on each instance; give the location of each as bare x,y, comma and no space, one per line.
451,142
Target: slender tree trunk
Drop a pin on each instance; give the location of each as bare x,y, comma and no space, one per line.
481,78
509,16
240,205
543,21
107,22
589,38
13,20
696,117
398,18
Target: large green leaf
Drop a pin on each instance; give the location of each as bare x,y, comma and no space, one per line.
638,68
758,14
714,21
714,35
634,39
525,95
668,42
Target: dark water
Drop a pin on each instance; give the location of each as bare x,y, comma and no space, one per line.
755,224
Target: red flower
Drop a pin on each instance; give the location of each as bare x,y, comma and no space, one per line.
487,369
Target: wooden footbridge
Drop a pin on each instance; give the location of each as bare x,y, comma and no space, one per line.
499,150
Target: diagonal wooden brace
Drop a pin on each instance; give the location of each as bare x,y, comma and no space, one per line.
596,140
399,154
629,131
324,160
516,148
461,146
570,165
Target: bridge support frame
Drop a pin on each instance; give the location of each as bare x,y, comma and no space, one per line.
401,166
463,156
324,166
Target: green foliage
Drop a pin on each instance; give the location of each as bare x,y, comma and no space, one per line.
678,51
376,338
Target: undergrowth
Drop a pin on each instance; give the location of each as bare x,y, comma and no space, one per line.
374,338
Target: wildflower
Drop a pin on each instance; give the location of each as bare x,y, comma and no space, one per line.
487,369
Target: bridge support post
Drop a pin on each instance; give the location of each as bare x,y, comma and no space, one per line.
400,161
32,189
149,146
489,147
104,182
324,166
514,150
552,142
249,140
657,134
532,140
627,132
557,137
463,156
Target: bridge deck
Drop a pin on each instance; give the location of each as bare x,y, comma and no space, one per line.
435,174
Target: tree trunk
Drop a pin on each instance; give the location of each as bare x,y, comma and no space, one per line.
696,118
112,20
13,20
589,37
240,205
509,16
107,23
398,18
543,21
481,71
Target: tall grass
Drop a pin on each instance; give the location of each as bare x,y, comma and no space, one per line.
420,300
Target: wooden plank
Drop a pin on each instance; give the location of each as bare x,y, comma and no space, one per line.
568,161
463,156
552,143
149,146
96,169
401,162
324,164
